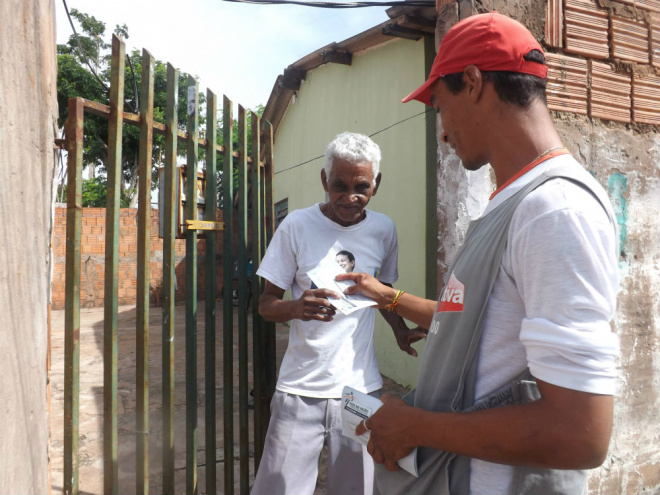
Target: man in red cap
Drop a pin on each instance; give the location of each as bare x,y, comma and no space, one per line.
518,372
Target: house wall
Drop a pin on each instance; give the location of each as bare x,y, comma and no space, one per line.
366,97
28,112
604,100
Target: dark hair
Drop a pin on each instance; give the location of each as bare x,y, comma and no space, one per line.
512,87
347,254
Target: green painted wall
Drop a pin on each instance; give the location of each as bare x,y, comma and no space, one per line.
366,98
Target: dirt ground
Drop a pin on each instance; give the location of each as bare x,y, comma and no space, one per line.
91,401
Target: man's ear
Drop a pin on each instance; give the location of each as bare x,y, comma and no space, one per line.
324,180
377,184
473,82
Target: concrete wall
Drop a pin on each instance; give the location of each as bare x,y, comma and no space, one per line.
624,155
366,97
28,110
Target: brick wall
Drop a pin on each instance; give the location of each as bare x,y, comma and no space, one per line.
606,62
93,259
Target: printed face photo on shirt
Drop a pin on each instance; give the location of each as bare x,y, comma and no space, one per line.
346,260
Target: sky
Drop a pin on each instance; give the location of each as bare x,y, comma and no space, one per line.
237,50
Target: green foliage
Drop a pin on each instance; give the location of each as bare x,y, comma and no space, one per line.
248,121
76,78
94,193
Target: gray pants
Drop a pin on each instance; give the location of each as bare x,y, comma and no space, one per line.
299,427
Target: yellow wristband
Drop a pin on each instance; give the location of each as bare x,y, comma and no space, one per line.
392,306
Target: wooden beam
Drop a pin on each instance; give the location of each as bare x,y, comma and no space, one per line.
292,77
336,57
392,29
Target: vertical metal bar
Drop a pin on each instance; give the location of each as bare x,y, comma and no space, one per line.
256,216
169,236
211,202
74,141
115,126
227,304
242,301
143,259
269,331
191,291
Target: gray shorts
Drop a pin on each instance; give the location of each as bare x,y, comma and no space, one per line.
299,428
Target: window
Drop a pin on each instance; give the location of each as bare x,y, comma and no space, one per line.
281,211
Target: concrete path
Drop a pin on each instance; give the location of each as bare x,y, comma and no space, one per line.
91,401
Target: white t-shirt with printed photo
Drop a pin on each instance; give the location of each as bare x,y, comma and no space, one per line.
323,357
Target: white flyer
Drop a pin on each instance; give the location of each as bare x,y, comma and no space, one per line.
323,276
358,406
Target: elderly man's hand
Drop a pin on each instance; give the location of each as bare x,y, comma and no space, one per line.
406,336
389,439
313,304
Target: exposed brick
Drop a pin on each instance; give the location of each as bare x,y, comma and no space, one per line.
567,84
646,99
655,40
93,249
610,97
651,5
554,23
630,40
586,28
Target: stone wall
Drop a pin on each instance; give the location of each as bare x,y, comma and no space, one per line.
28,112
604,95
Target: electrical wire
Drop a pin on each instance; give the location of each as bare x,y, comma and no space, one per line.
82,53
135,91
370,135
340,5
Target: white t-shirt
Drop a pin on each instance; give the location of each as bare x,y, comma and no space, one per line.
321,357
558,277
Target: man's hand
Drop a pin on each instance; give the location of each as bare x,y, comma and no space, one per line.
370,287
388,442
569,429
406,336
314,305
416,309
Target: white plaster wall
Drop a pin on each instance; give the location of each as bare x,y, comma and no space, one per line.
462,197
614,154
28,110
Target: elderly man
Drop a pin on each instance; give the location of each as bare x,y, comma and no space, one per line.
327,350
516,382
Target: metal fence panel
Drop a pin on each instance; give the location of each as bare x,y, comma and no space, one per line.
252,214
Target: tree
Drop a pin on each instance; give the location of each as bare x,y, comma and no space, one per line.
259,111
84,71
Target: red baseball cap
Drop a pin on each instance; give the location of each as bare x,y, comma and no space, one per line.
492,42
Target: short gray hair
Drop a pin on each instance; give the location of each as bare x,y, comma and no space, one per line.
354,148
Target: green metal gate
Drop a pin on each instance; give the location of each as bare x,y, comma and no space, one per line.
250,207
